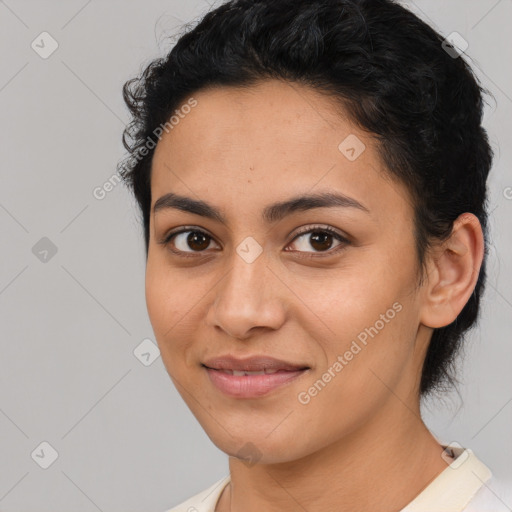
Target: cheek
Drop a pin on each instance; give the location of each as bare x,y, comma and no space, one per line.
169,303
159,300
344,302
358,379
169,294
366,316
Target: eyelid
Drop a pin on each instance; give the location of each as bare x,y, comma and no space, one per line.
182,229
169,235
342,238
307,228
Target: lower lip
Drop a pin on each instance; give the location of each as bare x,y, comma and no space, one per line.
250,386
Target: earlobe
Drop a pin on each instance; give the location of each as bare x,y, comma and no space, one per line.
454,268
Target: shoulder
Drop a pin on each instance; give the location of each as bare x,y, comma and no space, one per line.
466,485
204,501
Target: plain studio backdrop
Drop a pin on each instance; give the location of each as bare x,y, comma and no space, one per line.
75,385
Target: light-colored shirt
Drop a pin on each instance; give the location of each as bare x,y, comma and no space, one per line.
464,486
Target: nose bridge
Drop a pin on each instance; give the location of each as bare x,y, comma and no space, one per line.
248,278
244,297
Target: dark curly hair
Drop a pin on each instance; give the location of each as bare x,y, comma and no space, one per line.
388,70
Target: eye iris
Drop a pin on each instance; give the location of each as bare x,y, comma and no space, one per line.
321,238
193,238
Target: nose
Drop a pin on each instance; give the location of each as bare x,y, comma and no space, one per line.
249,298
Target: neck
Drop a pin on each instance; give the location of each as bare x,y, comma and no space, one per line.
382,466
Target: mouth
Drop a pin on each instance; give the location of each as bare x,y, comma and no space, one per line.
252,383
252,365
267,371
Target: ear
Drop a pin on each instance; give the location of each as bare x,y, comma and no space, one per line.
453,270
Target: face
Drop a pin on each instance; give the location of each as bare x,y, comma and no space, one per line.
342,303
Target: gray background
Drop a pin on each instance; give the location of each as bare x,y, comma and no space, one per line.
70,324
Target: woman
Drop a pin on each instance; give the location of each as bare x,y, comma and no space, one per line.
312,182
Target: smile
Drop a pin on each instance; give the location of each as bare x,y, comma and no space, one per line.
251,384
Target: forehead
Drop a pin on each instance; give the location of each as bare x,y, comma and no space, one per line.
270,141
271,115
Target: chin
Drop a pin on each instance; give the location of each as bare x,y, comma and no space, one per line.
258,447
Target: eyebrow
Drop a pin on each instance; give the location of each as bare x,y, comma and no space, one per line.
270,214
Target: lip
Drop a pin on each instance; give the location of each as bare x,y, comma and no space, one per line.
220,370
251,386
253,363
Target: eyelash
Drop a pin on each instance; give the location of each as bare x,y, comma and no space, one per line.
315,229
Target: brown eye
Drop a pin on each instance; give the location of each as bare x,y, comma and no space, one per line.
197,241
187,241
320,239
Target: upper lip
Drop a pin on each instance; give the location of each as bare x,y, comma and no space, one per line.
254,364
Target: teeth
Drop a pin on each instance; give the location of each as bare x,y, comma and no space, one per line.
242,373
